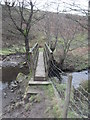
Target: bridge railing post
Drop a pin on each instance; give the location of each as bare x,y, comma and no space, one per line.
34,52
48,55
32,63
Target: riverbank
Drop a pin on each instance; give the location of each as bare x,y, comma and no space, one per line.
76,60
41,105
13,96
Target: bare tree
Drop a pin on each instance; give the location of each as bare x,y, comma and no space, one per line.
75,8
56,30
27,17
25,24
89,22
89,52
47,27
68,35
67,28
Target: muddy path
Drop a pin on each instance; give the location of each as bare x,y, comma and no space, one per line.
16,105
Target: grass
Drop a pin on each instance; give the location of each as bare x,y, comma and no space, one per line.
49,91
72,114
13,49
59,112
85,85
78,62
41,49
6,51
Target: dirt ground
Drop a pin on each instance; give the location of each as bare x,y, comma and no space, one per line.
16,105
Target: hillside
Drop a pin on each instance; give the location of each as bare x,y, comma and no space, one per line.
10,36
50,79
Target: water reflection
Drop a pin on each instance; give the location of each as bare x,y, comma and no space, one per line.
9,72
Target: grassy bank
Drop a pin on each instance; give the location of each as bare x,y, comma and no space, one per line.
12,49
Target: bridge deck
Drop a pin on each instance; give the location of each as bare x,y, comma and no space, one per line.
40,69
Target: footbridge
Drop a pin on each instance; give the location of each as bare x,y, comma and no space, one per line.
41,61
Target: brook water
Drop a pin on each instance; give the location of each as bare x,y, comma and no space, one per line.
10,72
78,77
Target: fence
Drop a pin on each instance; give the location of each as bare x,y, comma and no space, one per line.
34,52
79,102
76,100
47,54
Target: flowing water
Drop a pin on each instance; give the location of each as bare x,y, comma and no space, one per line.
9,72
78,77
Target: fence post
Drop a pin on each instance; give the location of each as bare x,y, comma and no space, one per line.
67,96
32,64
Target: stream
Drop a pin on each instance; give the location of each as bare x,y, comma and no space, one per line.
9,71
77,77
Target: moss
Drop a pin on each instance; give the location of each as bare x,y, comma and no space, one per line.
27,106
85,85
35,98
32,98
38,98
30,75
47,110
20,76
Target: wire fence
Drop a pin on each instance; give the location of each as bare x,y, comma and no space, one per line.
79,102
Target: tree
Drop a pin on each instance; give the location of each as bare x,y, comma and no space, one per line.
56,31
89,22
27,18
25,23
89,52
66,27
68,35
81,25
49,28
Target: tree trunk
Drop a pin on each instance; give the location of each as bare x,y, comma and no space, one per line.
27,50
62,60
89,52
89,23
62,63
